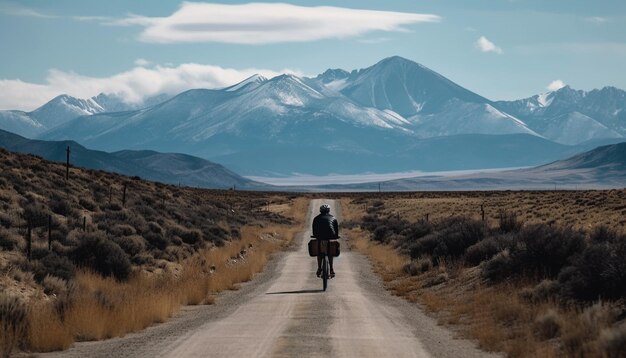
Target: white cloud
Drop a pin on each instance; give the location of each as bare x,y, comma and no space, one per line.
597,19
484,45
133,85
262,23
142,62
555,85
16,10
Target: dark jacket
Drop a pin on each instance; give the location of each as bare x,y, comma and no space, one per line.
325,227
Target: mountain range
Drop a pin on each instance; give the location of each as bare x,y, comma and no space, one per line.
170,168
396,115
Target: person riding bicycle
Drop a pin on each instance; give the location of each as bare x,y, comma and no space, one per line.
325,227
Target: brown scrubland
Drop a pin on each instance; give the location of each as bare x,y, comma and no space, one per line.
110,254
543,275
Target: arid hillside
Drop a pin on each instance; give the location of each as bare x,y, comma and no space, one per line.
78,255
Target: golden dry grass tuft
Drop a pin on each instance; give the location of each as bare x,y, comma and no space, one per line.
100,307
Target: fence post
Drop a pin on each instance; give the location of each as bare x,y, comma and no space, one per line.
482,212
124,196
49,232
84,223
29,240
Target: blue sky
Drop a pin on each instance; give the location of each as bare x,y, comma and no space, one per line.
501,49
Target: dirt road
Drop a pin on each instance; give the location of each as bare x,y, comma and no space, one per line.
284,313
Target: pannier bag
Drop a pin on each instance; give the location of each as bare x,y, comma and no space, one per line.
325,246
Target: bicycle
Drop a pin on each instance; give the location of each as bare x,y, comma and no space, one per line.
322,250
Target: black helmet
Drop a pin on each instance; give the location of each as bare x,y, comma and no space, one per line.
325,209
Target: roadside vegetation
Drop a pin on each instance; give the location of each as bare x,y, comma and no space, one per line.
100,255
544,286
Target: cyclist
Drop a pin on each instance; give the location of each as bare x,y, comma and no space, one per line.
325,227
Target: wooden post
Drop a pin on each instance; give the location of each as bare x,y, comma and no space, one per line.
67,164
29,241
84,223
482,212
124,196
49,232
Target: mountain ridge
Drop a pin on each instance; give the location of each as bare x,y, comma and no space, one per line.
172,168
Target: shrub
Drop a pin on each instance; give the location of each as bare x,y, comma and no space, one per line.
157,241
417,267
380,233
88,204
8,240
132,245
215,234
437,280
143,259
483,250
417,230
36,214
103,256
602,234
121,230
60,206
189,236
456,236
6,220
53,265
613,341
508,222
599,272
498,267
155,227
545,250
13,328
424,246
547,325
543,291
53,285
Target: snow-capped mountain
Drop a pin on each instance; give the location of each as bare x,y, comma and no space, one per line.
571,116
63,108
253,113
405,87
434,105
388,116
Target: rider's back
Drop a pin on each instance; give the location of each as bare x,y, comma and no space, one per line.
325,227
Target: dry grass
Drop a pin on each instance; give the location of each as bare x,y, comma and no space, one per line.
497,316
103,307
386,260
580,209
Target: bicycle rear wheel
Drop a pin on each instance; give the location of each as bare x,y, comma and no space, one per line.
325,273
